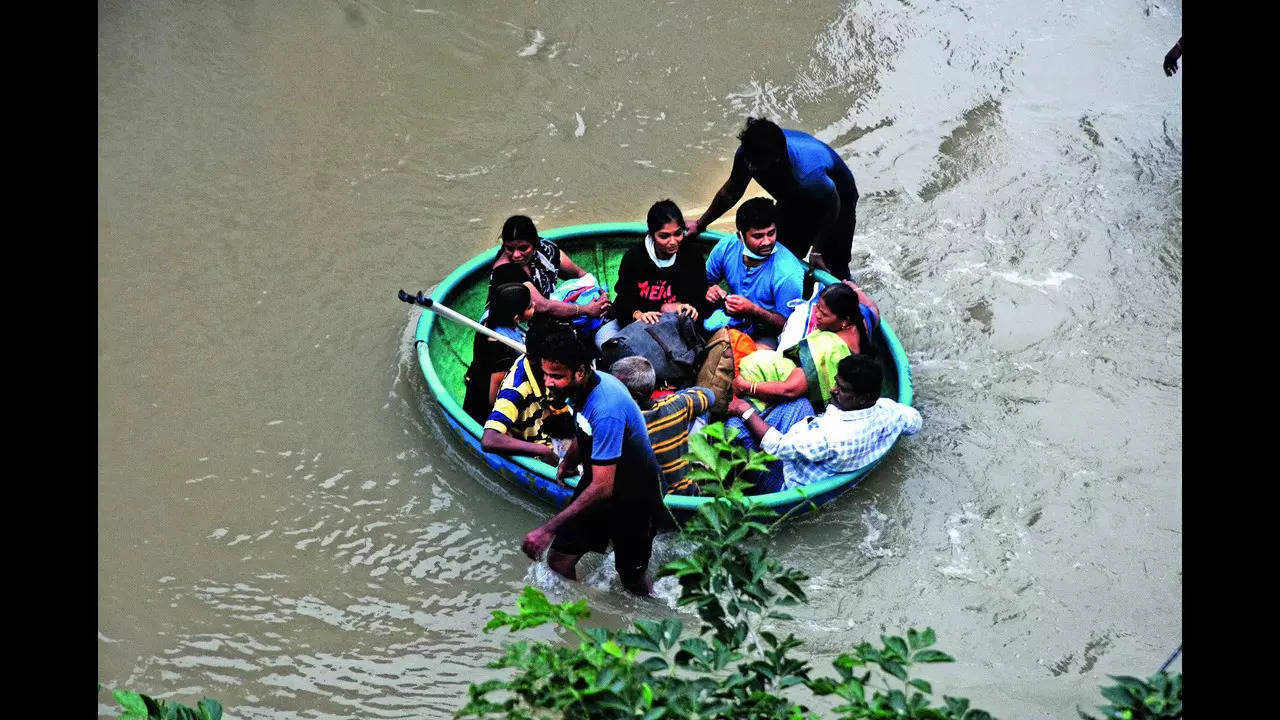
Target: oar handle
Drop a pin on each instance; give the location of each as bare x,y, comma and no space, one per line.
437,308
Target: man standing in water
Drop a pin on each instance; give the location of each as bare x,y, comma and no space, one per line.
816,195
619,497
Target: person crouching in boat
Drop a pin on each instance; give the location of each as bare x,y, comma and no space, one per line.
764,278
619,497
510,305
515,424
857,428
657,276
791,384
526,258
668,419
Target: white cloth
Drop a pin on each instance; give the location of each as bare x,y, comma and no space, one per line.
648,245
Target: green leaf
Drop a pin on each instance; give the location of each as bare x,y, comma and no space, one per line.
822,686
920,640
210,709
702,452
646,694
924,686
134,707
655,713
976,714
714,430
896,645
670,631
957,706
638,641
894,669
931,656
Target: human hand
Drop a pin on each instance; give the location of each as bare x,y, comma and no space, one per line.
738,306
563,471
1171,59
715,294
692,227
597,307
740,386
537,542
548,455
688,311
648,318
737,406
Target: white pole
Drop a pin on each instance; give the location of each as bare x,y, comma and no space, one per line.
455,316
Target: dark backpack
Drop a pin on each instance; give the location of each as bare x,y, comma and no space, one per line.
671,345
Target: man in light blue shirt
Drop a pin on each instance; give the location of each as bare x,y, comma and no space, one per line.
856,430
764,278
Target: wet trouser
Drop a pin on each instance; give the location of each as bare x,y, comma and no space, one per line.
798,226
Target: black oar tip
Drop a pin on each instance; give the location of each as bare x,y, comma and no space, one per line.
404,296
423,300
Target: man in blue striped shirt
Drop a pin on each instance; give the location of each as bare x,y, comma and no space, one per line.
856,430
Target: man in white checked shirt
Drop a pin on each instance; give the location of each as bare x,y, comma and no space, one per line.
857,428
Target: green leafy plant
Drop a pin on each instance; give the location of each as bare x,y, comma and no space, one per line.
1159,698
735,666
144,707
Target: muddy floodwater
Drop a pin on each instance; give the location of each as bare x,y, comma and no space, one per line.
284,523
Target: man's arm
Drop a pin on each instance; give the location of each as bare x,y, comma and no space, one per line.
725,198
1171,58
740,307
601,488
500,443
756,424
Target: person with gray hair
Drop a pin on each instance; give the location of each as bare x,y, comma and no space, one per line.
668,419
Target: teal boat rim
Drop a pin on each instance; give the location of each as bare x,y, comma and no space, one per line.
427,319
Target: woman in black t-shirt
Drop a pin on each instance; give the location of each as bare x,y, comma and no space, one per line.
490,359
656,276
528,259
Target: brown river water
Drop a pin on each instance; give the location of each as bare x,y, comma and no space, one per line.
284,523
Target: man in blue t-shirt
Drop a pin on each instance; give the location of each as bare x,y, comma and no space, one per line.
763,277
816,194
619,497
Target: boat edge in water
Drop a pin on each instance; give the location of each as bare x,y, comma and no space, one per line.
538,478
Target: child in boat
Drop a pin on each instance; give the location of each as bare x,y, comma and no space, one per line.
515,426
510,304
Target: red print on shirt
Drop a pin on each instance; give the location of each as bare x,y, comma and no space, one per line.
659,290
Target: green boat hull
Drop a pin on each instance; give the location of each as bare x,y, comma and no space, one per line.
445,352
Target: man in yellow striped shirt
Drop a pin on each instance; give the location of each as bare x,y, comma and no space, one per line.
668,419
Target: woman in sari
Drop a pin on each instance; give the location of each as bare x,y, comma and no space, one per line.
808,369
789,385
